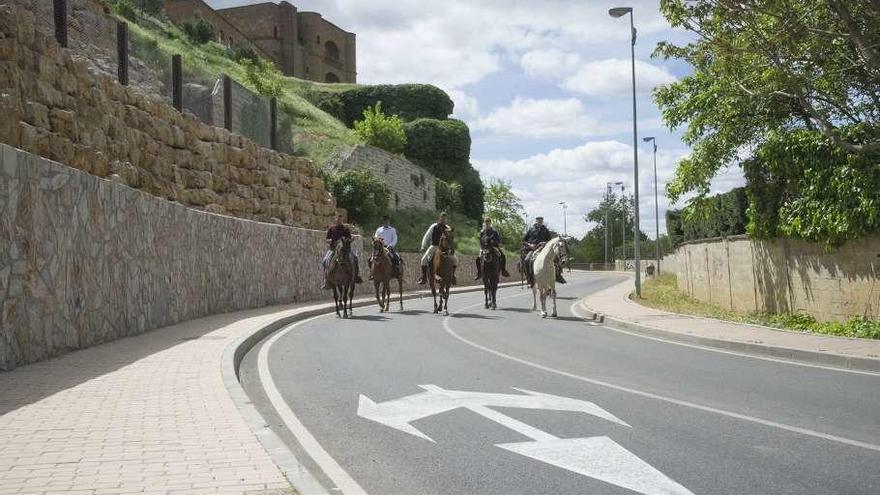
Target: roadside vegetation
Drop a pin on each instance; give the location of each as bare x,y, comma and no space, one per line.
662,293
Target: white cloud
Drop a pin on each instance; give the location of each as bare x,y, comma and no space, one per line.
550,63
531,118
613,77
466,106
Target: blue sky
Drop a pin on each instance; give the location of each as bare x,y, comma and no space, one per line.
544,86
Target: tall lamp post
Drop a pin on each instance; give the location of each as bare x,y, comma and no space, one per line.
564,218
656,205
620,12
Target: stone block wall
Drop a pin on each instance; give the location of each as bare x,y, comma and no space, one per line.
782,276
85,260
411,186
55,107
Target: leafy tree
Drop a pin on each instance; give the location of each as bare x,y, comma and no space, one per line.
381,131
619,209
763,66
506,212
472,190
263,76
199,31
152,7
447,195
801,185
359,191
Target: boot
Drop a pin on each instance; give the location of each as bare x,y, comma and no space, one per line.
479,269
504,266
424,279
454,280
559,279
324,284
370,267
357,273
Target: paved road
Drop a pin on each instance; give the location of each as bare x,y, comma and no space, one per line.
651,416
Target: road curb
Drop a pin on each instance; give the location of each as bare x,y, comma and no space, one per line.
303,481
799,355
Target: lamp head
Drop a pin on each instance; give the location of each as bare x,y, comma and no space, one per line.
647,139
619,11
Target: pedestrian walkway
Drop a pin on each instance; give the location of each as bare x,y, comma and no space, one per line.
620,311
143,414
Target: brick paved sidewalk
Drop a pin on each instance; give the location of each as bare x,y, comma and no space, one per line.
614,303
148,413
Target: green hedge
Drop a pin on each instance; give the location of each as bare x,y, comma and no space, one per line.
441,146
472,194
409,101
717,216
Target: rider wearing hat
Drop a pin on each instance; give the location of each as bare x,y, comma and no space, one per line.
490,239
537,235
430,241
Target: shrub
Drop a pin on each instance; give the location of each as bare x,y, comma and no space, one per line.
242,51
198,30
359,191
716,216
443,147
152,7
125,9
472,195
447,195
408,101
264,77
381,131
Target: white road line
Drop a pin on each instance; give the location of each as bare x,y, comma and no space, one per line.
743,417
344,482
580,304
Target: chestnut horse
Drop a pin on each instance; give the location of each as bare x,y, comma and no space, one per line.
383,271
490,260
442,272
341,276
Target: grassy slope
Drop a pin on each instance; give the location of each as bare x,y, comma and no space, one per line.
316,134
662,293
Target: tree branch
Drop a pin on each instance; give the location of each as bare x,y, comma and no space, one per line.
871,56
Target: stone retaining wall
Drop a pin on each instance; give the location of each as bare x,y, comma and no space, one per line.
84,260
781,276
54,106
411,186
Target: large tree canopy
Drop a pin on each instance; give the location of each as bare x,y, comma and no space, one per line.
764,66
506,212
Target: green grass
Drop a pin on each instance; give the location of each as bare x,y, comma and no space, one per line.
317,135
662,293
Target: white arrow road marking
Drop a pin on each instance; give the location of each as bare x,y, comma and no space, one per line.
399,413
600,458
597,457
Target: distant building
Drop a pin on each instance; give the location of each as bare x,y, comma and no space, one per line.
302,44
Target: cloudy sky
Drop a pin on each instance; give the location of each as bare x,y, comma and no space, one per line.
544,86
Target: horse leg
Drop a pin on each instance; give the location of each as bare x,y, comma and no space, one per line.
534,298
336,301
543,304
400,288
378,297
445,300
553,294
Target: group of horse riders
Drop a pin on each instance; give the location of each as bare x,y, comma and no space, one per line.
490,239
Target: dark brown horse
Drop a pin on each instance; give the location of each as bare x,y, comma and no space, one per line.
341,276
442,272
383,271
490,260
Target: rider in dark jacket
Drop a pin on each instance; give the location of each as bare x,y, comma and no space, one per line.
490,239
534,237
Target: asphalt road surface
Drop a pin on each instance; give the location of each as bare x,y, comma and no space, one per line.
504,402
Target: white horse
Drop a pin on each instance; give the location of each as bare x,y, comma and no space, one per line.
545,276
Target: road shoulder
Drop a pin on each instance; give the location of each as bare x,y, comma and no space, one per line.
613,307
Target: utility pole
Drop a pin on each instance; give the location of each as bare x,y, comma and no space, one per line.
564,218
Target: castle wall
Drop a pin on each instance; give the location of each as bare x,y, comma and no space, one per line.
227,33
316,32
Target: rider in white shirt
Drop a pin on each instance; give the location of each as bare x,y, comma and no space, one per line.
388,234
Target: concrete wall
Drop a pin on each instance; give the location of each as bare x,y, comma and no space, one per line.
782,276
56,107
411,186
84,260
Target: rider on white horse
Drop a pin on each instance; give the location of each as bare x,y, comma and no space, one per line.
430,241
537,235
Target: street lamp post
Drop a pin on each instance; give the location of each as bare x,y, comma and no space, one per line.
656,205
619,12
564,218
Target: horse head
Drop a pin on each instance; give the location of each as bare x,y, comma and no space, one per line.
446,240
343,249
378,245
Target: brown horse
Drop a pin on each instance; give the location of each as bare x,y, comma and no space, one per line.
442,272
383,271
341,276
490,260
